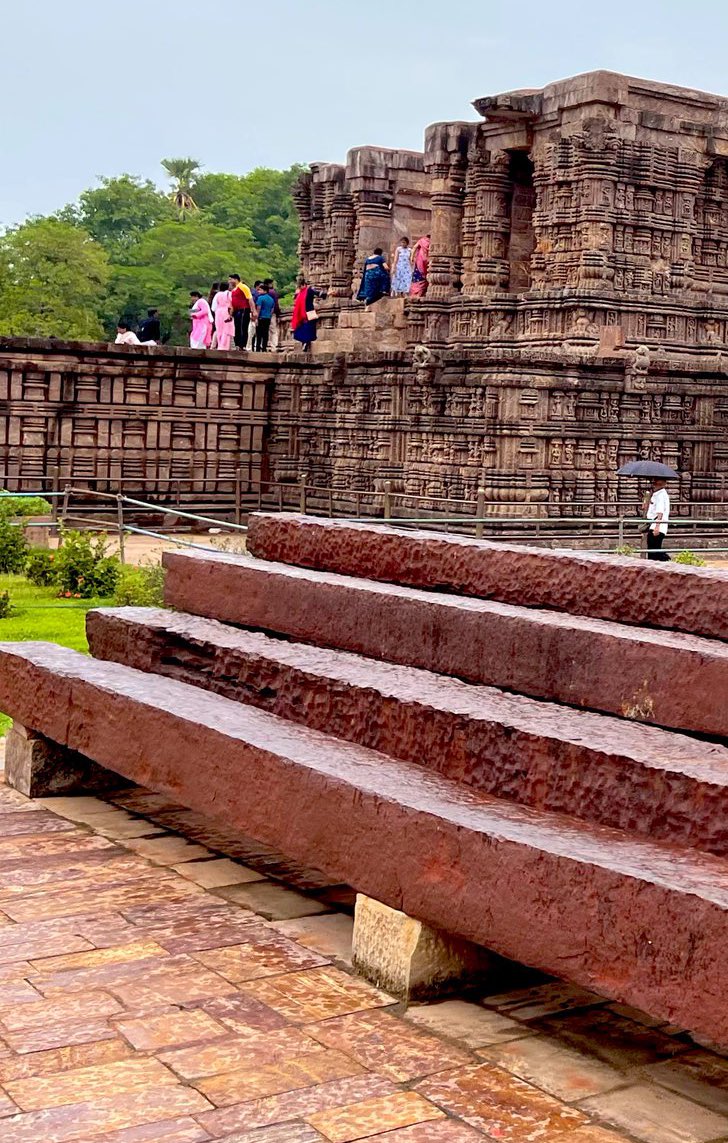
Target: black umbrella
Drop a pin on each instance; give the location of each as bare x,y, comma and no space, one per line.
648,468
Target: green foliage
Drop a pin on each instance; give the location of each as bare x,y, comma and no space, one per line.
626,550
53,277
40,567
119,211
13,547
170,260
141,586
11,505
182,172
6,605
82,568
38,613
125,245
688,557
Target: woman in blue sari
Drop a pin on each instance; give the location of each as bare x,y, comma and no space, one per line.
375,281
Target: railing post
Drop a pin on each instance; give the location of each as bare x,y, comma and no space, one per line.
387,499
620,531
302,492
56,487
64,513
238,496
120,526
480,513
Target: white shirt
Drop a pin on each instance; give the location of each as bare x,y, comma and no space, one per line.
659,503
128,338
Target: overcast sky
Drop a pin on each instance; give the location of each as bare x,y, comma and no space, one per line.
93,87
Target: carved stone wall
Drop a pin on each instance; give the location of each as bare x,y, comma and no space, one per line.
525,427
159,421
546,427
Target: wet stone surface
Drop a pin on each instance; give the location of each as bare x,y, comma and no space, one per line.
138,1006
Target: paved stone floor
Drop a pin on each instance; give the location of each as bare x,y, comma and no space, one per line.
155,991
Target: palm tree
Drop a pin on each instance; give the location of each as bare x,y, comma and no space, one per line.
182,172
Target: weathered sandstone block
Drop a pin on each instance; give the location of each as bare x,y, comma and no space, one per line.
667,678
582,583
410,959
603,769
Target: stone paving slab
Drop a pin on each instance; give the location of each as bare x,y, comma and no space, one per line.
667,678
584,583
306,1054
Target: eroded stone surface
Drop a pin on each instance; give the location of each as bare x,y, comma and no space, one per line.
667,678
628,775
610,587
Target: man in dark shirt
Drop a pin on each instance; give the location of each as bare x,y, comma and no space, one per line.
150,330
243,307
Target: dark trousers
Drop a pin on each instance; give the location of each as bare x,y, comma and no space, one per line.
241,320
262,334
654,546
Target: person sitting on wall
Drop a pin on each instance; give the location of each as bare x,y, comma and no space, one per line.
125,335
375,281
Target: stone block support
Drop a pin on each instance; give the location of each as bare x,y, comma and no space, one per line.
408,958
39,768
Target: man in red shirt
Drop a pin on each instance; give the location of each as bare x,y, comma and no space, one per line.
243,307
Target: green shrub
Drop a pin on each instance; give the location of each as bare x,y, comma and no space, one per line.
11,505
140,586
40,567
82,568
688,557
13,548
626,550
6,605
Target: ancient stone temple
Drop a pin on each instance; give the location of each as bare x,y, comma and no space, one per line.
576,317
577,303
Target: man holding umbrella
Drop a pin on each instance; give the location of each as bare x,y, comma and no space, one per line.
656,507
657,514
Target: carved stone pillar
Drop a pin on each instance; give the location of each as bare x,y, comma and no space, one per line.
302,200
485,221
446,160
374,220
342,243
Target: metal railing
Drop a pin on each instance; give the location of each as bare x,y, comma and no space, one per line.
596,533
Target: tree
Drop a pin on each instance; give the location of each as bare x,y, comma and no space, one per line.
119,211
183,173
53,280
170,260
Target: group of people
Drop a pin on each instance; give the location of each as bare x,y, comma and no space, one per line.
232,315
404,275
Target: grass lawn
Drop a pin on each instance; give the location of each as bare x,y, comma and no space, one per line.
39,614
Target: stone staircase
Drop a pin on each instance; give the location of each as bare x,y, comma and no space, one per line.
489,739
380,327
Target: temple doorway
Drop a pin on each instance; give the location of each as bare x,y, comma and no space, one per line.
522,241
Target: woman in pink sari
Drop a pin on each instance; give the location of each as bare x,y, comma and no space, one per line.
224,324
201,333
421,264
